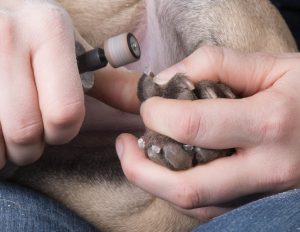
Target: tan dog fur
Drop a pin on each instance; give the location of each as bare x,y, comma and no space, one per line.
247,25
97,20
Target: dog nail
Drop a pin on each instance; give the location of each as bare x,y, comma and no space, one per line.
188,147
141,143
155,149
147,71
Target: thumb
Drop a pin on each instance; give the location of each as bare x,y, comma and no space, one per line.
246,73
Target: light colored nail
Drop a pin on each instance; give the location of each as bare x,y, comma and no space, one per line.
155,149
188,147
141,143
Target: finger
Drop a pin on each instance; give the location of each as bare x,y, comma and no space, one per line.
151,177
118,88
218,123
204,214
111,119
56,75
19,114
217,182
257,71
22,129
144,173
230,178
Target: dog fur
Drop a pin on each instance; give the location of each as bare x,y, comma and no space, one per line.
85,175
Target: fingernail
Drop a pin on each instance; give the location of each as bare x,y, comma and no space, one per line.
119,147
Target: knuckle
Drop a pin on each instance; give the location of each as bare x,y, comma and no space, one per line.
213,54
129,171
184,202
65,116
209,50
189,127
206,214
54,19
186,196
27,133
276,126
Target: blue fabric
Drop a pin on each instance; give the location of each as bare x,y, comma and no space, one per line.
25,210
280,213
22,209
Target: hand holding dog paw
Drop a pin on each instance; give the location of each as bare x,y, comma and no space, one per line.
40,89
263,126
164,150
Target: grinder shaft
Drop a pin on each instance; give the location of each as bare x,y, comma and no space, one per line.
118,51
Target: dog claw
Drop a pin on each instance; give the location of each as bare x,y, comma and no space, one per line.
188,147
141,143
148,71
155,149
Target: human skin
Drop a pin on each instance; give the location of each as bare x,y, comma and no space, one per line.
41,97
263,126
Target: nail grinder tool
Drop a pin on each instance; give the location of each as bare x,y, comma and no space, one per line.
118,51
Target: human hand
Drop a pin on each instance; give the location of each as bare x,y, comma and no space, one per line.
40,89
263,126
117,88
113,98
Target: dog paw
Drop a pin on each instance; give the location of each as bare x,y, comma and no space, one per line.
179,87
164,150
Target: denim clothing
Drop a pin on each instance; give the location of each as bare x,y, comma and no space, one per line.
278,213
24,210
